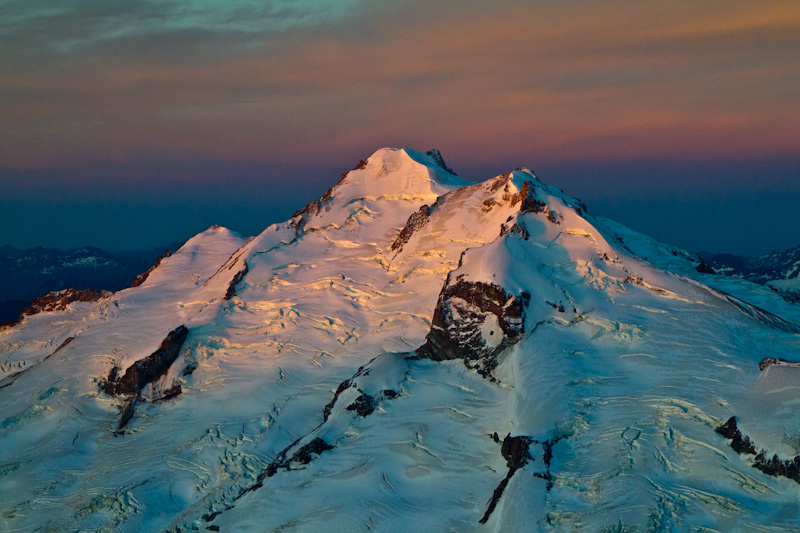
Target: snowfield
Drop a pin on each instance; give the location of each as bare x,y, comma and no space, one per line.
412,351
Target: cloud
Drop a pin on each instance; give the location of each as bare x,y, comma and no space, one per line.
120,81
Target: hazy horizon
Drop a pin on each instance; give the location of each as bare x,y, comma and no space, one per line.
130,125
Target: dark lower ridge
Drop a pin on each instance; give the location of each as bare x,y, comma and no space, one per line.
774,466
293,457
302,456
516,452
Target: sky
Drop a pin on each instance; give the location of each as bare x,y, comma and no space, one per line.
133,124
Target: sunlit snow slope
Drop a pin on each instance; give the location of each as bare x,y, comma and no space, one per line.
412,351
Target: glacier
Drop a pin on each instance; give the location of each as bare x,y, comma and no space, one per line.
410,351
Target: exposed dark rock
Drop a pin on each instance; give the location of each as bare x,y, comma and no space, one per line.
126,413
109,385
516,453
488,204
415,221
770,361
636,280
343,386
460,318
439,160
231,292
302,456
301,217
145,371
292,457
518,229
789,468
170,392
189,368
739,443
59,300
213,528
364,405
530,204
150,368
141,278
305,453
557,307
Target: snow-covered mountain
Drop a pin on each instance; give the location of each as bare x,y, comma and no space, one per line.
411,351
778,270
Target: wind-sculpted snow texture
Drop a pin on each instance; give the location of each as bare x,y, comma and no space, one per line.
411,351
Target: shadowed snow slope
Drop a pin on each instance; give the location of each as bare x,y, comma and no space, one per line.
416,349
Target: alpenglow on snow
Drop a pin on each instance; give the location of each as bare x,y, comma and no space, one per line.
411,350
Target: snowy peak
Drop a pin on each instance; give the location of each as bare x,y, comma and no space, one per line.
388,175
455,355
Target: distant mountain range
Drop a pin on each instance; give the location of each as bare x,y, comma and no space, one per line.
28,274
779,271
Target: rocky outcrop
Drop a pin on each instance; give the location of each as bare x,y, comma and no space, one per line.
439,160
516,452
310,446
141,278
774,466
149,368
474,321
302,456
238,278
301,217
59,300
771,361
415,222
146,371
530,204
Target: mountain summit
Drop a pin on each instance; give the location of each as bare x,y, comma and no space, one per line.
411,348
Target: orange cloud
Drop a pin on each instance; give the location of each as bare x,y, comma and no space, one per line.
561,82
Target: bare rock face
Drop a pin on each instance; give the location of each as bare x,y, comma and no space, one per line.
149,368
59,300
141,278
415,222
436,155
772,466
771,361
301,217
475,321
238,278
143,372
